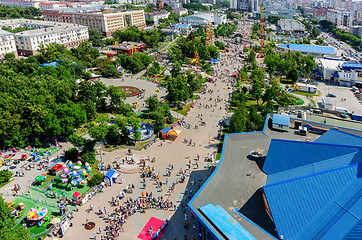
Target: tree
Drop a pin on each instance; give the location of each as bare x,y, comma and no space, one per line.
98,132
293,75
220,45
5,176
116,98
96,37
7,224
112,136
178,89
237,122
96,180
9,57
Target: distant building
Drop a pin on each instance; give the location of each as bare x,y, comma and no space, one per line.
203,19
28,42
340,72
180,11
183,28
20,3
57,5
172,4
320,11
244,5
104,20
7,43
291,25
159,4
339,17
356,30
316,51
281,122
280,12
157,15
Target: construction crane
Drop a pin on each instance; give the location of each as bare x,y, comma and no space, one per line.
262,32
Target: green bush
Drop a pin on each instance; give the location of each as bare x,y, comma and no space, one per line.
71,154
5,176
96,179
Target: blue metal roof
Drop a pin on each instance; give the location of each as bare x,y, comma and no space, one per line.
327,205
182,25
281,119
335,136
226,224
166,130
110,174
317,167
351,66
308,48
285,154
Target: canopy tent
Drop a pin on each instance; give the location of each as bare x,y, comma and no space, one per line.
163,132
174,132
110,177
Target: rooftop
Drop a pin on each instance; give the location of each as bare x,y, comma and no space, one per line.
351,66
308,48
5,33
331,64
239,177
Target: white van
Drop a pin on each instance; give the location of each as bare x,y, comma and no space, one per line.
341,110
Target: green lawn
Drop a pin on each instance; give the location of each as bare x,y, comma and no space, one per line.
68,188
307,94
184,109
42,151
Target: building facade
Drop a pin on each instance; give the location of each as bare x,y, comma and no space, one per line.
28,42
244,5
106,20
7,43
20,3
356,30
291,25
339,17
157,15
203,19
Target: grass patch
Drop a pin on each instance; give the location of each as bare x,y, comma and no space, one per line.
49,178
184,110
218,156
305,93
286,81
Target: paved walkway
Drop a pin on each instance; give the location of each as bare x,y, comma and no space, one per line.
175,153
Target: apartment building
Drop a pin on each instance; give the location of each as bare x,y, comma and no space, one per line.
20,3
104,20
28,42
7,43
339,17
157,15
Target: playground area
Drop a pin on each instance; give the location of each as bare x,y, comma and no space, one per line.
39,212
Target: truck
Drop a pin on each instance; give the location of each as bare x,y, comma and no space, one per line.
341,110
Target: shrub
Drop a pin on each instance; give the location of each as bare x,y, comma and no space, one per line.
96,179
5,176
71,154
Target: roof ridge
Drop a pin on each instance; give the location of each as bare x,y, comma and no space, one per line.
314,174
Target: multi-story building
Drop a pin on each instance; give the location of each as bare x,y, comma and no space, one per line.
172,4
203,19
28,42
180,11
159,4
157,15
20,3
356,30
104,20
291,25
57,5
7,43
244,5
339,17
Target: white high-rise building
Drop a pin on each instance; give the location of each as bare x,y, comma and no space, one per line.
339,17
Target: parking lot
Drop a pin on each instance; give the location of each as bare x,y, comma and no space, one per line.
350,103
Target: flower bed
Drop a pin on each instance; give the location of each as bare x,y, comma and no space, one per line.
130,91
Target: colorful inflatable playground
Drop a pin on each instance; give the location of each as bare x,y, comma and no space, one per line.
37,216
